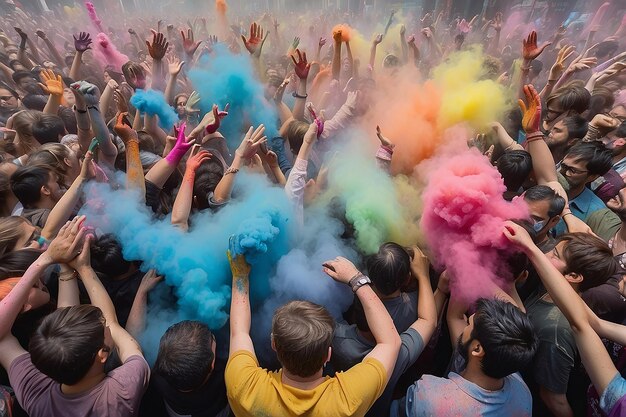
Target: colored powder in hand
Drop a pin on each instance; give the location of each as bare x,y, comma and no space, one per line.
468,96
107,54
462,222
221,7
152,102
226,78
93,16
346,32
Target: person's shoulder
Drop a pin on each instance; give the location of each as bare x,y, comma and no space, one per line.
135,369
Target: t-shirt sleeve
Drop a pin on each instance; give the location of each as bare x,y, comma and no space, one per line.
410,349
552,367
613,393
364,382
27,382
133,377
242,373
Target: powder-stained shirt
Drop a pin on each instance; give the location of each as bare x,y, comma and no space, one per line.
256,392
456,396
117,395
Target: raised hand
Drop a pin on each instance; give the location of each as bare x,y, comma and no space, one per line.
557,69
463,26
238,264
496,23
301,65
135,75
321,42
295,43
52,84
149,281
121,104
378,39
189,45
158,47
383,139
340,269
68,243
175,65
23,36
123,129
530,50
531,113
402,31
428,34
580,64
194,162
182,145
217,118
86,93
83,42
319,121
518,236
278,95
337,36
255,40
251,142
41,34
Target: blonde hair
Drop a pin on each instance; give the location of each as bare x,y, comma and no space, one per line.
302,332
51,156
22,124
10,232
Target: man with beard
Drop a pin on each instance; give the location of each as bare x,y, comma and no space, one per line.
564,133
497,342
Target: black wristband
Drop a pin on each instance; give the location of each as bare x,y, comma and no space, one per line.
77,110
296,95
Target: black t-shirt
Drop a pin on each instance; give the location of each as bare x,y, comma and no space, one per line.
208,401
606,301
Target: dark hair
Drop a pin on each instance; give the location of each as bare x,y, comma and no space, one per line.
48,128
16,262
208,175
294,134
69,120
620,131
599,158
571,97
589,256
506,335
515,167
34,101
576,126
545,193
607,48
26,184
17,76
185,357
389,267
9,89
107,259
66,343
536,66
15,61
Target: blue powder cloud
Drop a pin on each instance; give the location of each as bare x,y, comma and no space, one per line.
153,103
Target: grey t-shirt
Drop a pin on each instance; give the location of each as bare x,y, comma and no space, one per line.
118,395
402,309
349,348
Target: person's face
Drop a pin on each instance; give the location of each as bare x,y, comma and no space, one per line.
541,220
69,97
29,237
7,100
465,339
558,135
27,83
618,204
575,171
73,166
52,188
619,113
181,102
553,114
556,257
106,77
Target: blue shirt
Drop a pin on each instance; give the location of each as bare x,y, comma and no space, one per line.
582,206
456,396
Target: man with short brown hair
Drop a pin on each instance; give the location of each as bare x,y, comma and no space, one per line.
302,337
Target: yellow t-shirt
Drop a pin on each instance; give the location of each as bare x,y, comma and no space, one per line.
257,392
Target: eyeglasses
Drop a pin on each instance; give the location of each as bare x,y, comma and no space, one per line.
574,171
6,98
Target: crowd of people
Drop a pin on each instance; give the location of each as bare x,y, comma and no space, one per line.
99,98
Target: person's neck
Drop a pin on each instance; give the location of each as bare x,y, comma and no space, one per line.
45,203
621,233
474,374
387,297
93,378
9,205
575,192
559,152
300,382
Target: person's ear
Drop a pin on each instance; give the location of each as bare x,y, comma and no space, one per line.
574,278
26,307
67,162
330,354
44,190
592,178
273,343
103,355
521,278
476,349
554,221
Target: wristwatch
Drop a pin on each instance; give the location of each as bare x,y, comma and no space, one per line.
358,281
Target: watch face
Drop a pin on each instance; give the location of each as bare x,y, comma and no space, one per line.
364,281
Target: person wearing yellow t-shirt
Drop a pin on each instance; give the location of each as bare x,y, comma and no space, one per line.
302,333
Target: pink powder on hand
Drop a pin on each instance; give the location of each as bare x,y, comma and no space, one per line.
107,54
464,213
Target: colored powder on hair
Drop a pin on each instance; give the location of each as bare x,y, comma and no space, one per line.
464,213
93,16
467,95
107,54
152,102
227,78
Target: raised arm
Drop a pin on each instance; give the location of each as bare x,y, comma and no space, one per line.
336,65
377,40
248,147
134,170
378,319
157,50
21,54
254,45
81,44
184,198
54,53
53,86
175,65
426,322
594,356
137,317
403,45
240,314
302,67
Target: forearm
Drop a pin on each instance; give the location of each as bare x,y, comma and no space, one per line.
378,319
11,305
62,210
225,186
7,72
278,174
134,171
372,56
300,103
137,316
170,89
284,113
336,66
160,173
543,162
34,51
405,50
547,90
23,58
506,142
440,301
182,204
55,53
151,126
53,104
105,98
68,288
350,60
557,404
98,294
240,314
106,148
76,64
426,307
339,121
158,75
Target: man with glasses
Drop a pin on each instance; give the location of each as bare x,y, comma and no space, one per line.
582,164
